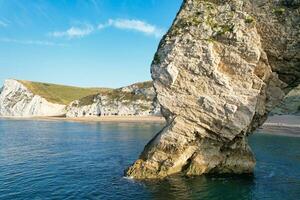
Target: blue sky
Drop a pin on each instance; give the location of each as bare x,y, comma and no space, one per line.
107,43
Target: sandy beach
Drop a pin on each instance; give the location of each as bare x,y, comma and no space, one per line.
95,119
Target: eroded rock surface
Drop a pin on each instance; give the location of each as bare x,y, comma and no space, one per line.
290,105
18,101
137,99
218,72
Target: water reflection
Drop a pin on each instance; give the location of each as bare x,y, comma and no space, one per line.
202,187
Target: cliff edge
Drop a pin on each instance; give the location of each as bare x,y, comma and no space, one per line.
16,100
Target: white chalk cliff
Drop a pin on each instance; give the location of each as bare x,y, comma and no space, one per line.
17,101
135,99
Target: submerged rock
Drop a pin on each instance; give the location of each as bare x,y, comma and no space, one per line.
218,72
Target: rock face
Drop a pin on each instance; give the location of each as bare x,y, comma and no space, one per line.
17,101
290,105
136,99
218,72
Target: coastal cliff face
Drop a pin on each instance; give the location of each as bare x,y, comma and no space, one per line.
290,105
218,72
22,99
136,99
17,101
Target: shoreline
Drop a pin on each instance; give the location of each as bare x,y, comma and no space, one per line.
157,119
286,125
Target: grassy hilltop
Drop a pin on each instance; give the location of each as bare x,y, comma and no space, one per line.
60,94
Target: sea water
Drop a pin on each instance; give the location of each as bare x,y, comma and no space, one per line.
65,160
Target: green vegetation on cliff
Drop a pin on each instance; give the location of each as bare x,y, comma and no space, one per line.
119,94
60,94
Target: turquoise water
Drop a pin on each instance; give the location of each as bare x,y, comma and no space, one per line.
64,160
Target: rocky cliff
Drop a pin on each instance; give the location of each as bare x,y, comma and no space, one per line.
17,100
218,72
26,99
290,105
136,99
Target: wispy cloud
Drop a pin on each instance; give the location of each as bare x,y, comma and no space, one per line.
125,24
31,42
135,25
3,24
74,32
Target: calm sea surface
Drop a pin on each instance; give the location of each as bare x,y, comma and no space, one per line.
64,160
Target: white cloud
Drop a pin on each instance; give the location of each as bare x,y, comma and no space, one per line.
3,24
31,42
128,24
74,32
133,24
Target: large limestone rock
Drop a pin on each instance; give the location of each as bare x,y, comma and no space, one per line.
18,101
218,72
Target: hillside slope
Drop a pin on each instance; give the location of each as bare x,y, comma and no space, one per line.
59,94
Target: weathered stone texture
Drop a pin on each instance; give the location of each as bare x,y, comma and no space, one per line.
218,72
